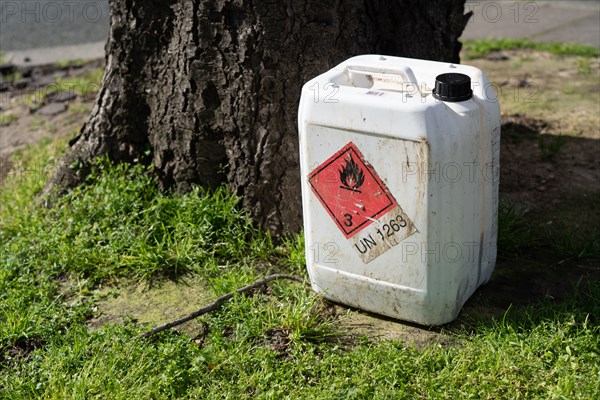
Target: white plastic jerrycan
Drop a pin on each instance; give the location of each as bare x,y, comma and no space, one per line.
399,163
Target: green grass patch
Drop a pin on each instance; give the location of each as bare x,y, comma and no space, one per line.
278,343
547,352
570,232
7,118
584,66
572,228
66,64
86,85
481,47
83,85
515,231
12,77
550,146
79,108
574,242
120,225
36,123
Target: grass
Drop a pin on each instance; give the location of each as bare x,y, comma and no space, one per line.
482,47
36,123
570,242
515,232
66,64
12,77
277,344
83,85
7,118
551,146
572,231
79,108
569,232
584,66
86,85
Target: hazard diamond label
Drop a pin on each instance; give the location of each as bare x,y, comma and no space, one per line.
351,191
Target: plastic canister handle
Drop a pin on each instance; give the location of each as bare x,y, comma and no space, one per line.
400,79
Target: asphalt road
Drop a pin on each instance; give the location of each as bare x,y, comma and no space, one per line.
541,21
44,31
32,24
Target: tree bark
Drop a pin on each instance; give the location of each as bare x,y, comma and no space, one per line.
207,90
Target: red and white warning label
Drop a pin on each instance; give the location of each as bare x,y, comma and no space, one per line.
360,203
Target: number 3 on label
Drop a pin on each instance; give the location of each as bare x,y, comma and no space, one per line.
347,219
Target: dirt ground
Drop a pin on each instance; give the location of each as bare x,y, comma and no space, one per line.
31,110
550,174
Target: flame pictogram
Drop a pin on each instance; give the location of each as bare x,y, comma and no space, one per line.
351,176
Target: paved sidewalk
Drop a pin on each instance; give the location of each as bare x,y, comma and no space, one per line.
53,55
34,24
543,21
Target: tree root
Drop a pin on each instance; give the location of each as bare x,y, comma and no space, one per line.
217,303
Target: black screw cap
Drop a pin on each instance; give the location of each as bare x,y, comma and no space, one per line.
452,87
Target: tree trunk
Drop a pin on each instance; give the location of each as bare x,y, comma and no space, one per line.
208,90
